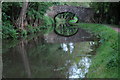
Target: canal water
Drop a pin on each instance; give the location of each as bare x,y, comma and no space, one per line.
37,58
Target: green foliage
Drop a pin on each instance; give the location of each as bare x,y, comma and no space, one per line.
10,10
106,12
48,24
13,33
9,31
48,20
24,33
75,19
32,30
35,12
37,9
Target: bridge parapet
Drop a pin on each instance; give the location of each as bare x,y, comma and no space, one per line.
84,14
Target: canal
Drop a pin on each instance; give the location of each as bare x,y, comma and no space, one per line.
38,57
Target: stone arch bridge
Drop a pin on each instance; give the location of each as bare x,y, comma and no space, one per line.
83,14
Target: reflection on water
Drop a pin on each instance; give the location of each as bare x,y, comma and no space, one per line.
65,46
79,70
36,59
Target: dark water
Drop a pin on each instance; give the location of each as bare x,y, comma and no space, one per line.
36,58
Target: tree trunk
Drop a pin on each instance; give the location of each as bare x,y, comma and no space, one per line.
22,16
23,53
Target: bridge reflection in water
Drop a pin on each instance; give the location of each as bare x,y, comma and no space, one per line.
80,36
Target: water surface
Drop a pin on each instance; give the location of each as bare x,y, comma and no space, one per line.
36,58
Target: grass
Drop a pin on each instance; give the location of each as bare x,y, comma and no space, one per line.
105,62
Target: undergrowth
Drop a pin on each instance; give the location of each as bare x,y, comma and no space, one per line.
10,32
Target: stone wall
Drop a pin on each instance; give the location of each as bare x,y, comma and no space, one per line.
84,14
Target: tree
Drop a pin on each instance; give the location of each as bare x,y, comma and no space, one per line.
20,21
106,12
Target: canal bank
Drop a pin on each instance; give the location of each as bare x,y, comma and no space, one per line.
105,63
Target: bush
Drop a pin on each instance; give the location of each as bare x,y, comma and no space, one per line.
8,31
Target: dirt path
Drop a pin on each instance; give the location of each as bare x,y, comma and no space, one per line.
114,28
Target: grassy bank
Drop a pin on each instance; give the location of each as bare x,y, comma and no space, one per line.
105,62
